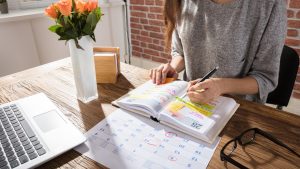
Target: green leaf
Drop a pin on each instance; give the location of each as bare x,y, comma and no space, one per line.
54,28
98,13
77,44
87,30
66,22
73,5
93,37
71,34
89,19
94,21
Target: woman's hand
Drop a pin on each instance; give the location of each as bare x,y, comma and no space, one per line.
159,75
204,92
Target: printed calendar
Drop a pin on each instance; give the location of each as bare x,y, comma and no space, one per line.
126,140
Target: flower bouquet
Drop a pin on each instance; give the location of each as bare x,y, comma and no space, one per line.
75,22
74,19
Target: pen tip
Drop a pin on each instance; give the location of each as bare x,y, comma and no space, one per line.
217,67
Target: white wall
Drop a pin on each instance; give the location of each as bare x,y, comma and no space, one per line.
15,4
112,29
49,48
26,42
17,49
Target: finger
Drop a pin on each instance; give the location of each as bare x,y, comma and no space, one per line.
194,87
151,73
158,75
199,97
200,90
206,95
161,66
191,83
165,71
153,76
195,97
199,86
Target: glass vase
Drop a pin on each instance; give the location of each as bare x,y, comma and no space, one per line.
84,69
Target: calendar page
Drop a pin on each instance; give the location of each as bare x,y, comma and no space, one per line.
126,140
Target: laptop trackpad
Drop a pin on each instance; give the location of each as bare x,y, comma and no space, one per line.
49,121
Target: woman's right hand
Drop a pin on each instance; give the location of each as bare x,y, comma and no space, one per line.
159,74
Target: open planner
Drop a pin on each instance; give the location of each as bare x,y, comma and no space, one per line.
164,103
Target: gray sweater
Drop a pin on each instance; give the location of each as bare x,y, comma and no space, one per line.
244,38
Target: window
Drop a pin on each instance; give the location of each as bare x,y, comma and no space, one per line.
24,4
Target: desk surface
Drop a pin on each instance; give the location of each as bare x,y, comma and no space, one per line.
56,81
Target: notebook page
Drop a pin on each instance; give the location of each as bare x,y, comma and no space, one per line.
204,121
152,97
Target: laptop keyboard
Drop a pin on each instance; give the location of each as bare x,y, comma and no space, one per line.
19,144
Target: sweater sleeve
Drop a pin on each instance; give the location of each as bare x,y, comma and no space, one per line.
176,45
265,68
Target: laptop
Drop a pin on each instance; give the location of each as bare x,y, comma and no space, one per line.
32,131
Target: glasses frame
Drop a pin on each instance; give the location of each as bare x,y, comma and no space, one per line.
237,139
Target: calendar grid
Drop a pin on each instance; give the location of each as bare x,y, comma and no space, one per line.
136,140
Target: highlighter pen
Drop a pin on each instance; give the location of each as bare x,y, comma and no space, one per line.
207,76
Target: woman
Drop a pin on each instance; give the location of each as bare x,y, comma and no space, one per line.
243,37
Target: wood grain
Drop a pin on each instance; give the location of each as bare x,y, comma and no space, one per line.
56,81
107,66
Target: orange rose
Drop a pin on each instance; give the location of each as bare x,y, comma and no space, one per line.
65,7
92,4
81,6
51,11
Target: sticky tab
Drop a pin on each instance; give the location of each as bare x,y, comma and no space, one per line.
169,80
174,107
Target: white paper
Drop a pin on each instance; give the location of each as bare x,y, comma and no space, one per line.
125,140
151,98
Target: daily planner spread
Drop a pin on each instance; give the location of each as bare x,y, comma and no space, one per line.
169,104
126,140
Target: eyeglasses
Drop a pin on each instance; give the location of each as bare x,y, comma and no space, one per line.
246,138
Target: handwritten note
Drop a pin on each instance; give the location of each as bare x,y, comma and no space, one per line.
125,140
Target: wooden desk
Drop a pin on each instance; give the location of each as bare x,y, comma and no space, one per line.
56,81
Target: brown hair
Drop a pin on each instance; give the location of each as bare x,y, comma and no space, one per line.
172,10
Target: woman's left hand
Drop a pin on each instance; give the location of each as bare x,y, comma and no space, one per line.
204,92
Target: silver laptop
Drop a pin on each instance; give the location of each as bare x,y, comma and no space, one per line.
32,131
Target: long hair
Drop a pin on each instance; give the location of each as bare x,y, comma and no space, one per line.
172,11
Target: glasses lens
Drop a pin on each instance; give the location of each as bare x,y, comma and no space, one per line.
247,137
230,148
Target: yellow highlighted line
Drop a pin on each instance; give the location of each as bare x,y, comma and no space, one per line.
194,107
